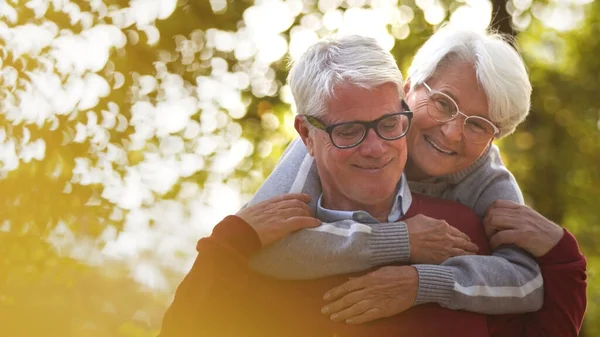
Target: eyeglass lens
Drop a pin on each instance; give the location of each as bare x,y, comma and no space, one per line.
388,128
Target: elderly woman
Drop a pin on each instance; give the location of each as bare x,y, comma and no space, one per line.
466,89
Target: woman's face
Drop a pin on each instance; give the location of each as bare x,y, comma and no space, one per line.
436,148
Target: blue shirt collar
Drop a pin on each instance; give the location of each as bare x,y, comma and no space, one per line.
399,208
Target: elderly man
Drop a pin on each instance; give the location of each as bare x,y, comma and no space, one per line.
355,133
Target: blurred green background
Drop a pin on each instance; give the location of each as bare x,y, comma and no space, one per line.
129,128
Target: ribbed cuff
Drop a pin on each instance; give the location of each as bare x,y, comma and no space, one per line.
389,244
436,284
565,251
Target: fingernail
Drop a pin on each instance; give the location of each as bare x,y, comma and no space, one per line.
327,296
334,317
325,310
349,321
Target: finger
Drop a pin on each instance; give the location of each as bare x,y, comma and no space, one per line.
501,205
456,232
343,303
300,222
290,196
505,237
288,213
292,204
489,230
351,311
349,286
499,212
466,245
304,206
504,204
306,198
501,221
367,316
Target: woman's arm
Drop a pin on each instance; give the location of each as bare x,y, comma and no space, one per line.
564,272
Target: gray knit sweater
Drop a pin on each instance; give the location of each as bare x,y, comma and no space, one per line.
509,281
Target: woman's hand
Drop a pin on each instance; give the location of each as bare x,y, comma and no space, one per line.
507,222
275,218
433,241
385,292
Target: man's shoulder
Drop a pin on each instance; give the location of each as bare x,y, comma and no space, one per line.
441,208
455,214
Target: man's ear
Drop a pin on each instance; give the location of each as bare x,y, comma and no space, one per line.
304,132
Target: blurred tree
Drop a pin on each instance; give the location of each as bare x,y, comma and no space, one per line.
556,153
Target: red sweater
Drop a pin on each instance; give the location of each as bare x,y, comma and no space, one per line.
564,272
221,296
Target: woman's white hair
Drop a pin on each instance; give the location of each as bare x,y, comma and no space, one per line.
499,68
356,60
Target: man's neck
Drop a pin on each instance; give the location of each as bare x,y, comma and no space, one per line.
379,210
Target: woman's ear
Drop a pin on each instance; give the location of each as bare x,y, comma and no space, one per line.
305,133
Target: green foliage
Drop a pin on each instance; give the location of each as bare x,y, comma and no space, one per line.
555,153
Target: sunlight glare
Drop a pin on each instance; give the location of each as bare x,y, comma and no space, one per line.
270,48
279,16
226,161
521,5
368,22
333,19
434,15
329,5
475,14
300,39
29,38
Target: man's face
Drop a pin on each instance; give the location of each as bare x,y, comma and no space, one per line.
364,175
440,148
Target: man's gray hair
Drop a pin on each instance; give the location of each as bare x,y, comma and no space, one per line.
355,60
499,68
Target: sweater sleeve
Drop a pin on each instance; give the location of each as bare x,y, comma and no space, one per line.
217,276
509,281
332,249
491,182
563,268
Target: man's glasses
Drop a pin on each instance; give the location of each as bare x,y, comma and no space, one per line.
350,134
443,108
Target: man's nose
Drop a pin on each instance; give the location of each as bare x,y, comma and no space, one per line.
452,129
373,145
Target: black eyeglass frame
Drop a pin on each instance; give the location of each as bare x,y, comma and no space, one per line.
314,121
